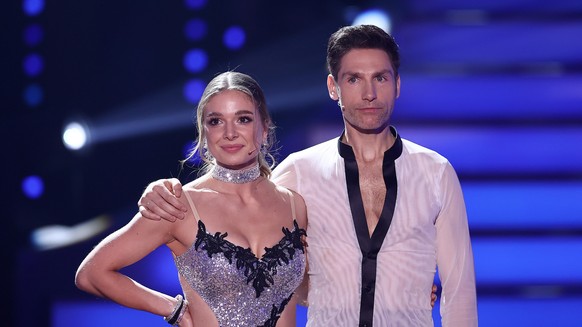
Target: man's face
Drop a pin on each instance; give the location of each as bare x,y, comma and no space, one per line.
366,89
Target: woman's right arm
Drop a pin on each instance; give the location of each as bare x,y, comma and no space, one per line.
99,272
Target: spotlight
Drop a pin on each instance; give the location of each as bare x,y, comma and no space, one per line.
375,17
75,135
58,236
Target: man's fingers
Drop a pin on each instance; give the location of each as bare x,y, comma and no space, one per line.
159,201
433,295
172,205
154,212
175,186
148,214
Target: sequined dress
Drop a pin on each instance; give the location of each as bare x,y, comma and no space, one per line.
241,289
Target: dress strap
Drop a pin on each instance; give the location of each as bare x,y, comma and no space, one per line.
292,204
192,207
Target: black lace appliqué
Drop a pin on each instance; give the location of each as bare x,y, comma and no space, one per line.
259,272
276,313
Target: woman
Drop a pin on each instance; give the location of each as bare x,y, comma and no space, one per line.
239,250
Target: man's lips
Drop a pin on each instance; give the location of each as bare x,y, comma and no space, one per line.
369,109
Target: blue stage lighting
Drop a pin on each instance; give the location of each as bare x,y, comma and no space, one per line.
194,4
195,29
193,90
33,187
33,95
33,64
195,60
234,37
33,35
374,17
32,7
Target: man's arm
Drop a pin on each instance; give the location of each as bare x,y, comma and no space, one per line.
160,200
455,256
286,174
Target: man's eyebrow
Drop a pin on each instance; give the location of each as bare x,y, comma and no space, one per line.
358,74
350,73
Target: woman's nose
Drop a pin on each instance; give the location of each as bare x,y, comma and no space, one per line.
230,132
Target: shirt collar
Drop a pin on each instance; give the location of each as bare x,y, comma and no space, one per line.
391,154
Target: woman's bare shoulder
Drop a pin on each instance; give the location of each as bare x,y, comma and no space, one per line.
299,204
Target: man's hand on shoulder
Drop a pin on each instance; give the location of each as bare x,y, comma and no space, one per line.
160,200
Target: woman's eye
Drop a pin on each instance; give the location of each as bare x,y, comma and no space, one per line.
213,121
245,119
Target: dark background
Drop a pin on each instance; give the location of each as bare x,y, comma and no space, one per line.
495,87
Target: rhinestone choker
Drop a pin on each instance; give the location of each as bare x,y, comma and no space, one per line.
236,176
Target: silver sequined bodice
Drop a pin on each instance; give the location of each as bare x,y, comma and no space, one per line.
240,289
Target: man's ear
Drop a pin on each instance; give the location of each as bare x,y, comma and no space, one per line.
397,86
332,88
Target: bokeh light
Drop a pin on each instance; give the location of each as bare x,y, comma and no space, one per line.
33,95
75,136
195,60
195,29
193,90
33,35
234,38
375,17
194,4
33,64
33,187
32,7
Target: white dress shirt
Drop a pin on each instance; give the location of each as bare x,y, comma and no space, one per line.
428,228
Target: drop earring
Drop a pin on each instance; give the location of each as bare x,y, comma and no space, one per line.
205,153
264,148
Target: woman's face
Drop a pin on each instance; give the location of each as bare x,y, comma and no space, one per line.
234,129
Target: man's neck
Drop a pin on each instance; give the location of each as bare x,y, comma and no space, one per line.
369,147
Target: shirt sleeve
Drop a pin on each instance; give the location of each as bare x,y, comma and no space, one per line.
455,255
285,175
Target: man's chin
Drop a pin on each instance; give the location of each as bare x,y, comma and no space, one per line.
370,128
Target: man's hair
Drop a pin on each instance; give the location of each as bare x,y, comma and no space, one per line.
359,37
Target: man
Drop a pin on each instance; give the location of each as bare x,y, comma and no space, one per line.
384,212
